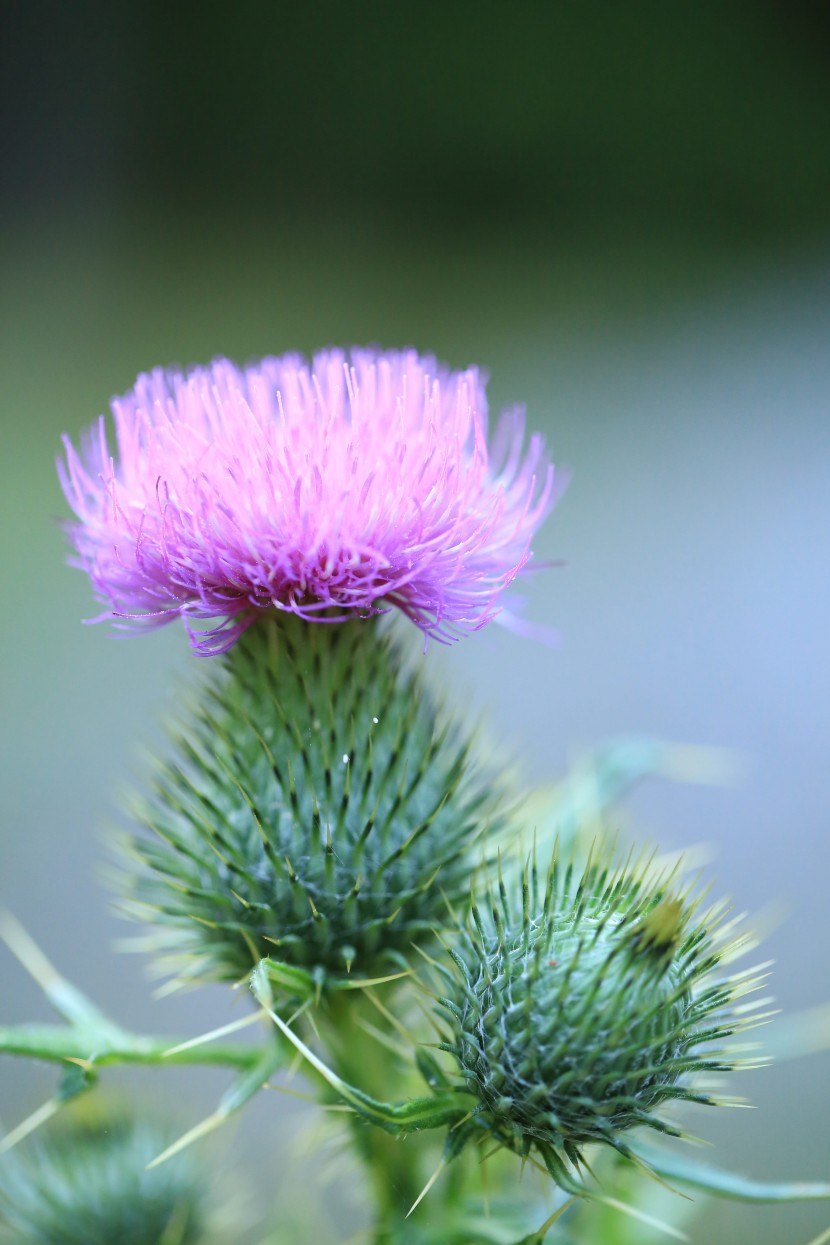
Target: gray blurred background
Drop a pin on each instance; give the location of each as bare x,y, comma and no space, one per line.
623,212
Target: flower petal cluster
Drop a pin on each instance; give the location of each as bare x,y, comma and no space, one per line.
361,482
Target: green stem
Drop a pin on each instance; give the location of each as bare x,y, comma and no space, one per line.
57,1043
394,1164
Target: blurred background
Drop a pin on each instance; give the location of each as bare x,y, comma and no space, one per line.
623,213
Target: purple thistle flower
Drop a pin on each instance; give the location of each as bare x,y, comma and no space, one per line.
361,483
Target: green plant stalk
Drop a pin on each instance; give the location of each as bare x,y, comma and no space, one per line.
397,1166
59,1043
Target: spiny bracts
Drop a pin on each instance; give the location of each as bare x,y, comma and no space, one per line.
582,1005
315,808
88,1184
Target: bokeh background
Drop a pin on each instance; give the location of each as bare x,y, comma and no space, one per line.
623,212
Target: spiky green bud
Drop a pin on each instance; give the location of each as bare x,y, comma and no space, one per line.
88,1184
314,808
579,1010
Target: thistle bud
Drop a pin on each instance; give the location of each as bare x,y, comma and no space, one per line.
314,808
579,1012
88,1184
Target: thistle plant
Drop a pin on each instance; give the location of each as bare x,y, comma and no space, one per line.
320,826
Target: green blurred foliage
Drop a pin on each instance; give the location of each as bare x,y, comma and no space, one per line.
711,119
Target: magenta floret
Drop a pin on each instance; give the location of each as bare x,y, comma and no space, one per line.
362,482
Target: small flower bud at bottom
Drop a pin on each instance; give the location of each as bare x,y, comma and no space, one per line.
88,1185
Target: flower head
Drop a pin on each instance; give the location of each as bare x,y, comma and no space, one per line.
356,484
577,1014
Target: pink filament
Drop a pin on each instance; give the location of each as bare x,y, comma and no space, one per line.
341,489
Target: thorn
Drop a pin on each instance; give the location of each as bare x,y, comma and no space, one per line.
321,1106
28,953
64,997
301,1010
193,1134
27,1126
464,1119
361,983
210,1037
640,1215
384,1039
169,987
821,1239
390,1019
426,1187
548,1224
332,1078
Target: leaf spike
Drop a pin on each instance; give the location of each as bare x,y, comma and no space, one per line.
66,999
301,1010
416,834
370,824
222,1031
364,983
315,817
252,950
525,904
426,1187
642,1216
551,881
390,1018
433,963
27,1126
383,1039
505,906
198,1131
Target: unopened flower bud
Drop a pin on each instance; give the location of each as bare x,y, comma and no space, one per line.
88,1184
579,1011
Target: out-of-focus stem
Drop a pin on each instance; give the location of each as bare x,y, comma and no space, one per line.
58,1043
393,1164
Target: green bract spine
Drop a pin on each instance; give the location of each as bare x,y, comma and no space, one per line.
315,806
